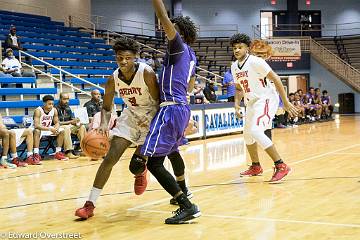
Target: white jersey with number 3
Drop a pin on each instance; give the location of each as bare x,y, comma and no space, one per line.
250,74
133,123
136,93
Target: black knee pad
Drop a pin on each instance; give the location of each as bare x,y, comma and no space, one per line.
177,163
137,164
268,133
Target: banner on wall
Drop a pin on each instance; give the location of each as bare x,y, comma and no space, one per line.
221,121
285,50
216,122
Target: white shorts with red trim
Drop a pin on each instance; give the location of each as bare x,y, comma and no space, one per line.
258,118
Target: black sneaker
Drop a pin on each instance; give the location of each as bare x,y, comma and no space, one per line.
184,215
189,195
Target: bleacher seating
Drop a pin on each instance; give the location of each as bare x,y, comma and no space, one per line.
66,47
350,46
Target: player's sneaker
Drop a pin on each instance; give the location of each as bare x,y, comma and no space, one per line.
6,164
86,211
60,156
254,170
140,183
188,193
18,162
280,171
184,215
70,155
36,159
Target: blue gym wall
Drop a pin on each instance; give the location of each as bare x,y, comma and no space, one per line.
241,12
322,78
135,10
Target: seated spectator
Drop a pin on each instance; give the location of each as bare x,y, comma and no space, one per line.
292,120
67,121
150,60
16,138
157,63
326,103
228,82
12,66
311,109
198,95
5,142
301,94
12,40
209,92
299,105
46,123
142,58
93,106
318,104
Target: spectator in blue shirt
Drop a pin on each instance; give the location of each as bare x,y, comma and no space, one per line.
228,82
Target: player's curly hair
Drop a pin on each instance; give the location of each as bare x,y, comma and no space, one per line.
240,38
126,44
187,28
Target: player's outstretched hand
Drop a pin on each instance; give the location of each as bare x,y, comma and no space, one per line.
103,129
291,109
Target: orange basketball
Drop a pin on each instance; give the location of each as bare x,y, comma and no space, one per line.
95,145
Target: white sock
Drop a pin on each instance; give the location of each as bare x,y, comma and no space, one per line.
13,155
3,157
58,149
36,150
94,194
28,154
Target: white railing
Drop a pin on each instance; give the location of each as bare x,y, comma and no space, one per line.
25,8
335,64
340,29
145,28
62,72
216,76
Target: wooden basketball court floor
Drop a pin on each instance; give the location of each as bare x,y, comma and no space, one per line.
319,200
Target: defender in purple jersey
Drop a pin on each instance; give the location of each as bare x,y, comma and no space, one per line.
168,125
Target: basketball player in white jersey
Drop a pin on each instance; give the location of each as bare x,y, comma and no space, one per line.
258,85
46,123
138,87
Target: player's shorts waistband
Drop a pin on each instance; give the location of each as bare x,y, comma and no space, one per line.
168,103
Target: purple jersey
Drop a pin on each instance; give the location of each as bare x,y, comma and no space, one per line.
325,100
178,67
310,98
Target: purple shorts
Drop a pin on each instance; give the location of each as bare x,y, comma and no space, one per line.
166,131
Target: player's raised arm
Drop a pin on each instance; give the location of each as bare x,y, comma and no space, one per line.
161,13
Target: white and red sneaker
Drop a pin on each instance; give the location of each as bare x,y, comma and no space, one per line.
18,162
280,171
254,170
60,156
